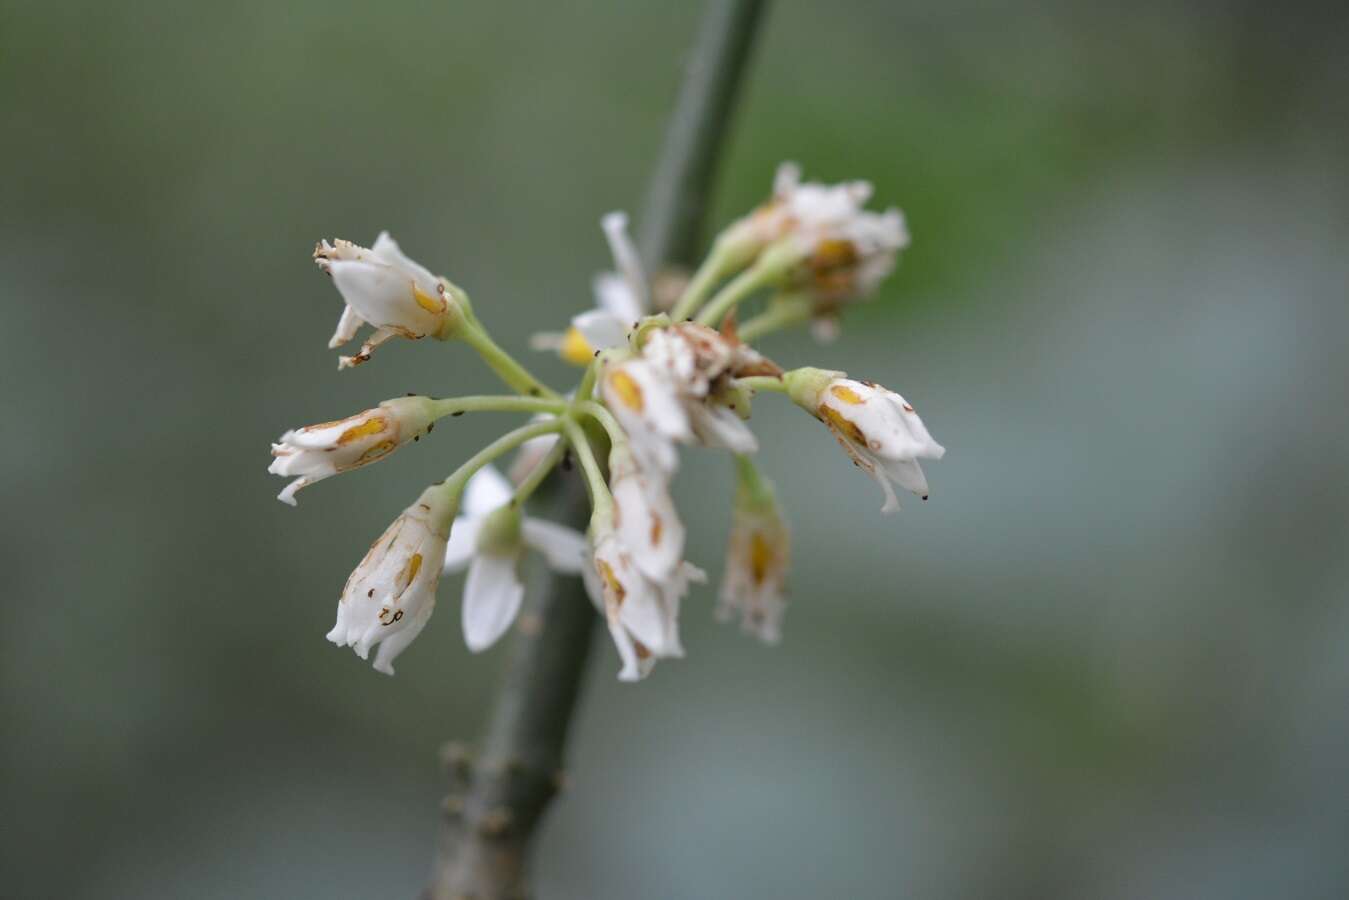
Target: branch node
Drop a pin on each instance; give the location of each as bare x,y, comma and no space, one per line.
456,758
496,822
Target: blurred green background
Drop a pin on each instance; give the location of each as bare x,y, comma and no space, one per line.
1108,659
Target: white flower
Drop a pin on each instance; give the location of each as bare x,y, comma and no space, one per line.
757,555
833,248
316,452
642,613
648,405
877,427
385,289
622,298
679,390
644,515
390,596
490,538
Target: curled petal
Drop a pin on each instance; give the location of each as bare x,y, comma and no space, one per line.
347,326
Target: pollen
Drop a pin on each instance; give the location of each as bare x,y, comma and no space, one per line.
846,394
431,304
628,390
371,426
657,527
575,348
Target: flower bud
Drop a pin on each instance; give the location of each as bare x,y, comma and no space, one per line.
757,555
316,452
876,426
385,289
390,596
817,239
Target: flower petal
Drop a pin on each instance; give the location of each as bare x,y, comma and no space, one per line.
463,543
487,490
644,614
387,249
717,426
492,596
397,643
629,265
633,668
649,524
565,548
347,326
907,473
603,329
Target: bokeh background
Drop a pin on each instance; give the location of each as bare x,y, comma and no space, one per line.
1108,659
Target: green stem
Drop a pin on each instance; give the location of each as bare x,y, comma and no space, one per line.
601,414
784,313
508,441
453,406
587,385
600,498
516,376
741,287
700,285
760,383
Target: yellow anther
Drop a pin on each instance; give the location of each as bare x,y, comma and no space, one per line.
410,571
843,426
575,348
628,390
760,557
371,426
611,581
846,394
427,302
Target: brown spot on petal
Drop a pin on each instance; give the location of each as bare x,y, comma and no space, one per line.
656,528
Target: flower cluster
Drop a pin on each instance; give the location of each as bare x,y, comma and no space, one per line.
654,381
